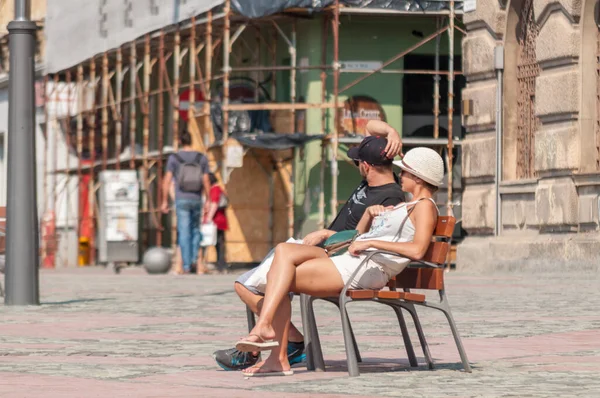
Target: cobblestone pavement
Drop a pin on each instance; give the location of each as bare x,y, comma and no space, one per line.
133,335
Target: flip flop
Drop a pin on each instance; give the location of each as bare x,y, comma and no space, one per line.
269,374
252,346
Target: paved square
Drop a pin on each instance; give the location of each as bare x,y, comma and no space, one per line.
134,335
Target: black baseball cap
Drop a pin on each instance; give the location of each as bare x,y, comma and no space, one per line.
371,150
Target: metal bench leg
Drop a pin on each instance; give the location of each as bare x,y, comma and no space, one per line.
413,313
410,351
356,350
349,342
315,341
310,362
457,340
251,319
358,357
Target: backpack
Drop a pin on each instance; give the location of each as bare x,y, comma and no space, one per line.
223,201
190,174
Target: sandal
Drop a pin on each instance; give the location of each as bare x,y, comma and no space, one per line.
252,346
268,374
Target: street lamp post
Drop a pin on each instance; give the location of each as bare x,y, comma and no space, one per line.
22,244
499,66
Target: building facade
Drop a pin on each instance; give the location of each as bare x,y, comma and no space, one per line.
550,137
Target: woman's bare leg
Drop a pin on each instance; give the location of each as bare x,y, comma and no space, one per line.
317,277
279,280
278,360
254,302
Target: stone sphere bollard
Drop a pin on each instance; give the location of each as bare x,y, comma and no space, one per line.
157,260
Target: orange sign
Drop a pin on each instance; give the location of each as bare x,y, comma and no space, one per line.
357,112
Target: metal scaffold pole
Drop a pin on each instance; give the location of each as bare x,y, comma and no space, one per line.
336,126
22,240
226,71
324,39
450,103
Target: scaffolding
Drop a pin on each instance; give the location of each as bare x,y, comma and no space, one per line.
142,81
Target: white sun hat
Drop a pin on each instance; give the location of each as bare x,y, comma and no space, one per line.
424,163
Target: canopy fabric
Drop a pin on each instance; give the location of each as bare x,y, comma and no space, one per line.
276,141
76,30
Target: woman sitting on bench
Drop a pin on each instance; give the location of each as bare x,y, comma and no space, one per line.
405,229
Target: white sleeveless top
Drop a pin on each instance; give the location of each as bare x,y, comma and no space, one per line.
386,227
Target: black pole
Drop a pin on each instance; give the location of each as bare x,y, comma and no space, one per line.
22,245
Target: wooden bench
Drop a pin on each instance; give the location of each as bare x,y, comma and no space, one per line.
428,275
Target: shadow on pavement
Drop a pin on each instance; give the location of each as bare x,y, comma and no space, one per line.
76,301
383,365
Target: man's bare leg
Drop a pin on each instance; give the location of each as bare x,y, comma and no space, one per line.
254,302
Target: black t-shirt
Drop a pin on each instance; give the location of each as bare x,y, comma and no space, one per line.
363,197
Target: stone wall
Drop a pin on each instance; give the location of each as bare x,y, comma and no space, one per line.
485,28
561,199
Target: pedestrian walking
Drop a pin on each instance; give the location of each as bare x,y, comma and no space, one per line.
189,170
218,202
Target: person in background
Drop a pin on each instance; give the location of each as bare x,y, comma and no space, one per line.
189,169
216,214
177,268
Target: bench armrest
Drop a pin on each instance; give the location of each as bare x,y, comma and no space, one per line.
371,254
425,263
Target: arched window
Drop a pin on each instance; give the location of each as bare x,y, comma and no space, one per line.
527,71
522,69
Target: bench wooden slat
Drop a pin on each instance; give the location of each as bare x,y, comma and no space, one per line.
437,253
421,278
361,294
386,294
445,226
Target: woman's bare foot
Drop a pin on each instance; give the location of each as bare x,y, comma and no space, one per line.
261,338
270,365
265,333
256,365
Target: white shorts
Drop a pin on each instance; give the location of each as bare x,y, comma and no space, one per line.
371,275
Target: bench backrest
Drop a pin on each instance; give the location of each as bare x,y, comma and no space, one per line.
437,253
421,278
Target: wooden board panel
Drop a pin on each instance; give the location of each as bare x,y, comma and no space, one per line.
250,237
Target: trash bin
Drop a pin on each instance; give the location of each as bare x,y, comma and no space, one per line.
84,252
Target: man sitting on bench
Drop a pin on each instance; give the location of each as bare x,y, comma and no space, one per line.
380,186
